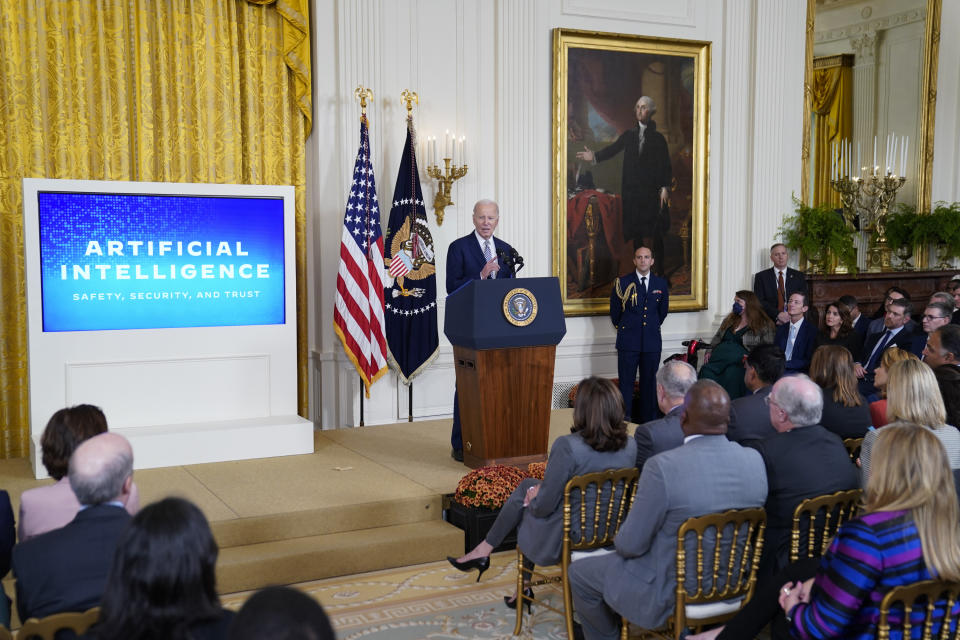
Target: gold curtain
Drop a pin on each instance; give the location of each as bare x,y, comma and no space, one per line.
173,91
832,104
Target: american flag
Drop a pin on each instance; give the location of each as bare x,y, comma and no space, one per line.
358,310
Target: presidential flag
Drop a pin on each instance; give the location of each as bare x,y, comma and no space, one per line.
411,295
358,310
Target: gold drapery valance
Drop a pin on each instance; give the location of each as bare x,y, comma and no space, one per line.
831,100
177,91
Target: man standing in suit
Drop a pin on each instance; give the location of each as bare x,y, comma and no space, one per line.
802,459
674,379
639,304
66,569
749,415
775,286
860,321
646,177
706,474
896,334
476,256
796,337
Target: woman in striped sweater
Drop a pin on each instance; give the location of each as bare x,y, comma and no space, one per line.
909,531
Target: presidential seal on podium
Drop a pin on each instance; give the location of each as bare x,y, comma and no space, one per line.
520,307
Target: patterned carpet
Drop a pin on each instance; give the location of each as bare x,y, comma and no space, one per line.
432,601
428,601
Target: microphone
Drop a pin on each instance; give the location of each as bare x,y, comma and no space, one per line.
512,259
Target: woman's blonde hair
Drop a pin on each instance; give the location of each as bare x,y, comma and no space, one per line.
910,471
893,355
913,394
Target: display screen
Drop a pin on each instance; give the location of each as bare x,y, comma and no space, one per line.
134,261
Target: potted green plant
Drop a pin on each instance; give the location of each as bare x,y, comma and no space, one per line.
944,223
905,230
820,233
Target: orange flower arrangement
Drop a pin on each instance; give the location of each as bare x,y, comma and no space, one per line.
536,470
488,487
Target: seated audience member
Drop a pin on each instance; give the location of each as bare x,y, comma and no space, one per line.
838,329
845,411
674,379
936,315
598,441
946,298
51,507
706,474
878,408
913,396
908,532
163,580
943,354
797,336
66,569
897,334
281,613
877,324
745,327
802,460
8,536
857,319
749,415
954,288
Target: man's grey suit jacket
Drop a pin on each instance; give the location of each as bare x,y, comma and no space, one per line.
750,417
658,436
706,475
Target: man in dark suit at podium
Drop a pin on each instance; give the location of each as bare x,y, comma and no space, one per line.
639,304
477,256
775,286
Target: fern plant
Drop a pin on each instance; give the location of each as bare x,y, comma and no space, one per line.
818,233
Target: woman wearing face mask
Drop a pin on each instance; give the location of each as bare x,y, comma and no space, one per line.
838,329
745,327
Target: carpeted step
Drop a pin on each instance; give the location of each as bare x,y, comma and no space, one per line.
326,520
291,560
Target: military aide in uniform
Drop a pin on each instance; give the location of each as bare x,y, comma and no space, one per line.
638,306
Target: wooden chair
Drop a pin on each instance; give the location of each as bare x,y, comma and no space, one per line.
900,610
819,518
5,633
853,446
736,549
597,529
46,628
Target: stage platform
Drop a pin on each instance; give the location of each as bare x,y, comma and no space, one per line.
368,498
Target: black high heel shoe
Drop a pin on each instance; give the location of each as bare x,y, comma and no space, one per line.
512,602
480,564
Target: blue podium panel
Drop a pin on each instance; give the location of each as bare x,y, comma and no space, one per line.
498,314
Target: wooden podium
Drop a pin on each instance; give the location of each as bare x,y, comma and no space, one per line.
504,335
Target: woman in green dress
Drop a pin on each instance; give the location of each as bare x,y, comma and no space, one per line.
745,327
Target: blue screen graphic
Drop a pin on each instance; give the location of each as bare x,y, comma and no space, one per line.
130,261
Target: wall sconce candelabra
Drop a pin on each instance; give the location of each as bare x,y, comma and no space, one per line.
454,151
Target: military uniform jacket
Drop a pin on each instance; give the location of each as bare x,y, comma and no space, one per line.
638,317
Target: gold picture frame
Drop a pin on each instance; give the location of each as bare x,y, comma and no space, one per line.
597,79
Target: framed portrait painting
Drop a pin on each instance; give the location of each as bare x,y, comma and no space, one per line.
630,131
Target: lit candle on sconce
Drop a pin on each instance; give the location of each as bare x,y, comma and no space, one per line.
462,151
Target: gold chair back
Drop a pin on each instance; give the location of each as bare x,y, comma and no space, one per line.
816,520
47,627
5,633
853,446
584,529
920,596
739,559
